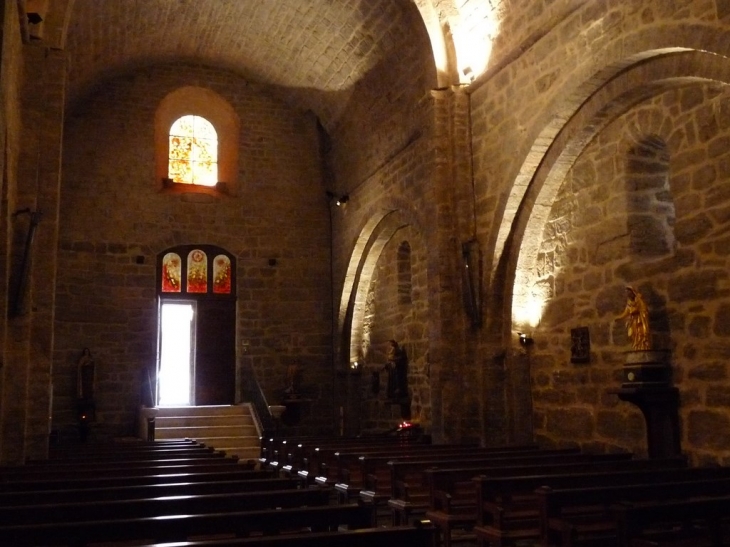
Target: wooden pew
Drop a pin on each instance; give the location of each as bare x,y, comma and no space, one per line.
129,455
126,492
700,522
418,535
410,492
380,478
574,516
186,527
346,464
216,457
369,468
452,491
508,508
276,450
312,457
114,446
31,473
157,507
72,451
308,458
234,472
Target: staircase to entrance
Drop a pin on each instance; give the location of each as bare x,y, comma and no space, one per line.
231,428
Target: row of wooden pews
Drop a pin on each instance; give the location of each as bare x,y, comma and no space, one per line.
176,493
507,496
367,492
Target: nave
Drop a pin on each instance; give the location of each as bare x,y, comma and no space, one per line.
369,491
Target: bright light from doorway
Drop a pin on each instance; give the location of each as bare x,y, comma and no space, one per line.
175,354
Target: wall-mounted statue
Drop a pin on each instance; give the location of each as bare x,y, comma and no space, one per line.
636,314
397,368
85,376
293,380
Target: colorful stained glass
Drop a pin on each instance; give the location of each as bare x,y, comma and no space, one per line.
197,271
222,275
171,272
193,151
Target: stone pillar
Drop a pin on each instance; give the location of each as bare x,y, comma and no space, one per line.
13,372
29,349
456,397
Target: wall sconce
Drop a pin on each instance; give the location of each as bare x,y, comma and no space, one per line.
355,366
339,201
525,340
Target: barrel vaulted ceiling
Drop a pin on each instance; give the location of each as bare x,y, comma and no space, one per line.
313,52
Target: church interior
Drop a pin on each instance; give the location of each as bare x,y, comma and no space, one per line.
435,255
477,181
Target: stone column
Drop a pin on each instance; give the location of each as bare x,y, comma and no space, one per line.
13,372
456,396
30,344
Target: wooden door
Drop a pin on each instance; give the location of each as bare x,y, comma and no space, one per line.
215,352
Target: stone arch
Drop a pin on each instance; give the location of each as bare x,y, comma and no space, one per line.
442,45
561,141
625,53
377,232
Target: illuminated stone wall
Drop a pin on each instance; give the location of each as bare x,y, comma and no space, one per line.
645,205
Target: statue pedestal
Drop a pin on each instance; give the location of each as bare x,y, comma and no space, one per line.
659,407
647,368
647,377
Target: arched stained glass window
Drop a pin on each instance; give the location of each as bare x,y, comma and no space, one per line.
171,273
222,275
193,151
197,271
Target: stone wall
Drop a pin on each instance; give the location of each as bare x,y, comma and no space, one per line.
114,221
646,204
583,65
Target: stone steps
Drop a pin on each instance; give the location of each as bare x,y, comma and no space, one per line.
230,428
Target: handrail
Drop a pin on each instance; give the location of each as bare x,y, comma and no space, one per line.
253,393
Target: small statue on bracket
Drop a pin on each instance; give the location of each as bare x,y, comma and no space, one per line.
294,380
636,314
86,376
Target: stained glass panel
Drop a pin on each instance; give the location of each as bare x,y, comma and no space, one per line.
222,275
197,272
193,152
171,272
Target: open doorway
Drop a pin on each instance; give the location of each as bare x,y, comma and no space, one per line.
175,377
196,358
